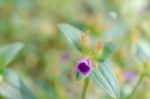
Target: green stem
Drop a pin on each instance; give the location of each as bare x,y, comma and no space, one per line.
85,87
137,85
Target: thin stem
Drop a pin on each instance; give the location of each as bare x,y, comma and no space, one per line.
85,87
137,85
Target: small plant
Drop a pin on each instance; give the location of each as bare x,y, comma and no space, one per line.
93,64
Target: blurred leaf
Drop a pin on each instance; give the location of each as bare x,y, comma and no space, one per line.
142,50
108,50
25,91
78,76
9,92
72,34
8,53
104,77
17,84
45,90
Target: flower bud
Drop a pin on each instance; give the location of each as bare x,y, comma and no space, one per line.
85,40
99,49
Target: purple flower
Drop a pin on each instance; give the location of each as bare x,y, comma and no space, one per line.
128,75
84,67
65,57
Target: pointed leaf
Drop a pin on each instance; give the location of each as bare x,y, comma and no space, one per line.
72,34
16,82
8,53
103,76
25,91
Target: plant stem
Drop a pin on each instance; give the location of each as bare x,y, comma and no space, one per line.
137,85
85,87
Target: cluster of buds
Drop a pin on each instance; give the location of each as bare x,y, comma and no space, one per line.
84,65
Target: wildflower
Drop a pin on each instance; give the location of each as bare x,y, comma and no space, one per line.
84,67
128,75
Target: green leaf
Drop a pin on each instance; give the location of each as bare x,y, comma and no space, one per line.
104,77
8,53
25,91
17,83
72,34
108,50
78,76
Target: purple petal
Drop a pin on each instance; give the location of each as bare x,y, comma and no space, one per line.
128,75
84,67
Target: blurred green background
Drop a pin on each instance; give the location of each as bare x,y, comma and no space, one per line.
46,63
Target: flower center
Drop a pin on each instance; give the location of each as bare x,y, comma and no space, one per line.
83,67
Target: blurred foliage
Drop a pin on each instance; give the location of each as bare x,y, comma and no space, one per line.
46,63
